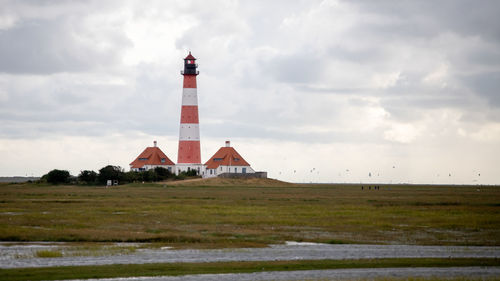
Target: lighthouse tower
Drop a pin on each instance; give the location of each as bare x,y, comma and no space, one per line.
189,156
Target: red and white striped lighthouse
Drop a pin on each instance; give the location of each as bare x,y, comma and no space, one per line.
189,156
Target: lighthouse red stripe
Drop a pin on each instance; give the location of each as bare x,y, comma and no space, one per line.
189,152
189,114
189,81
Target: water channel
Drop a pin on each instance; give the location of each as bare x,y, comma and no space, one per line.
20,255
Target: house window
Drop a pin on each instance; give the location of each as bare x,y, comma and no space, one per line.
143,159
244,170
217,159
236,159
235,170
163,160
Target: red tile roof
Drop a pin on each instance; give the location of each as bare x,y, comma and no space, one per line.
190,57
226,156
151,156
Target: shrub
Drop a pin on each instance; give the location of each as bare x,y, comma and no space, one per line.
190,173
57,176
149,175
87,176
162,173
111,173
132,176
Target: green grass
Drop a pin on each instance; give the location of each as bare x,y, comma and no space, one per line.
176,269
236,213
48,254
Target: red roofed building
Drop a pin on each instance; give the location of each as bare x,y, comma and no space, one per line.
151,158
226,160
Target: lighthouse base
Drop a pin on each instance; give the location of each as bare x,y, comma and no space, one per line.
186,167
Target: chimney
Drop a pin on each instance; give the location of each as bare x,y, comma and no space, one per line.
228,143
154,143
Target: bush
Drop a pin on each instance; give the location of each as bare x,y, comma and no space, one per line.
132,176
88,177
57,176
111,173
162,173
149,175
191,173
187,174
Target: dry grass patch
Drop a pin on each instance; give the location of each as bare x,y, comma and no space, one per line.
227,182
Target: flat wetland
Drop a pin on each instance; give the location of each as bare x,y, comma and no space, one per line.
224,213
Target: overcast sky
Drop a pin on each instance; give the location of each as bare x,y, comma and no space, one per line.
321,91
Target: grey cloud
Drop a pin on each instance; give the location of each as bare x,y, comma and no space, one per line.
249,130
150,105
486,85
51,46
297,68
362,54
427,17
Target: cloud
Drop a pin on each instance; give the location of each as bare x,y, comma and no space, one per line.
59,43
486,85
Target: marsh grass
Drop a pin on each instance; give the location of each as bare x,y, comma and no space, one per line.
48,254
179,269
238,213
96,250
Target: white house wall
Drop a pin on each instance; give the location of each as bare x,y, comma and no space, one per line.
227,169
171,168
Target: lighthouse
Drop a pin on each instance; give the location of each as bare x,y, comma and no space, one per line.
189,155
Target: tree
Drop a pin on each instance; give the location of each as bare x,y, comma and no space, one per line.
87,176
111,173
57,176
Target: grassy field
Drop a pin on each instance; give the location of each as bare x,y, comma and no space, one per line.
176,269
240,213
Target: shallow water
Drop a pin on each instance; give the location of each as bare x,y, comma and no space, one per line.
23,255
334,274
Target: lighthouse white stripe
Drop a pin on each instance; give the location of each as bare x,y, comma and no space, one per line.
189,96
189,132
